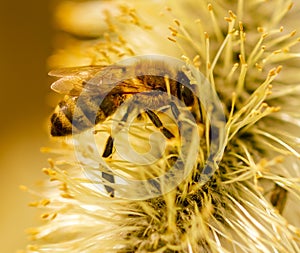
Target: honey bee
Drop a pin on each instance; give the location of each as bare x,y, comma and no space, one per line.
102,89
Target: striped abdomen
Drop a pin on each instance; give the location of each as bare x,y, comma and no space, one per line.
76,114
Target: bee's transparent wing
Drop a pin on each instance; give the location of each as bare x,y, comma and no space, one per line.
117,79
72,80
82,71
99,80
69,85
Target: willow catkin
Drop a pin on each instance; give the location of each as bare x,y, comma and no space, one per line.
248,51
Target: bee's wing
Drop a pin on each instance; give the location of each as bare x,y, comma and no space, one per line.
82,71
73,79
70,85
117,79
96,80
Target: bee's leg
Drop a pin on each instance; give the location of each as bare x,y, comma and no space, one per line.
157,122
125,117
110,178
176,113
198,111
174,110
108,147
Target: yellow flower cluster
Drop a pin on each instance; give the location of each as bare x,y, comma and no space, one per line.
249,53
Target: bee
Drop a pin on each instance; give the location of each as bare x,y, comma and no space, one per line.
101,90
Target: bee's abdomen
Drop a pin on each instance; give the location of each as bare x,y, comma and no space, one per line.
60,126
69,118
61,119
73,114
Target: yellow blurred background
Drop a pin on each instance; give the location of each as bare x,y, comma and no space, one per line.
25,44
